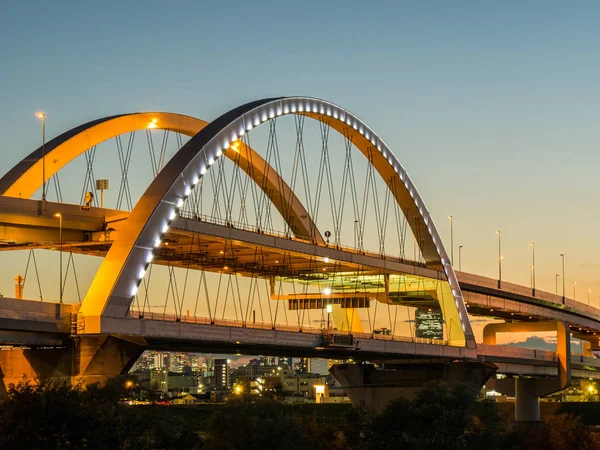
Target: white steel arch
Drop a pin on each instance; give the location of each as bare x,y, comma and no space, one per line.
121,272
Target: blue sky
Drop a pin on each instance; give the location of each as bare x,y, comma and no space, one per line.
491,106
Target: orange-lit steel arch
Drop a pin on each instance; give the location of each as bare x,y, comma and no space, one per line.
121,272
24,179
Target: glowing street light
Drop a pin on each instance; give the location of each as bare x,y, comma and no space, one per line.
532,268
59,217
563,276
499,260
451,240
42,116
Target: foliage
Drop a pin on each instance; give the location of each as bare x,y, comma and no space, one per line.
557,432
439,417
55,415
266,425
59,416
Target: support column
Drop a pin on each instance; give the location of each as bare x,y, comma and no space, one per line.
527,391
527,402
86,359
369,386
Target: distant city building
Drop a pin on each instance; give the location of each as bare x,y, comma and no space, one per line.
319,366
159,379
302,365
285,361
221,368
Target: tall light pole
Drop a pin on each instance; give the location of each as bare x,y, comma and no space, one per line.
59,217
460,257
499,260
533,269
556,284
574,284
42,116
451,241
563,276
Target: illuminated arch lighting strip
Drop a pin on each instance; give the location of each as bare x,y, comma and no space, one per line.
172,187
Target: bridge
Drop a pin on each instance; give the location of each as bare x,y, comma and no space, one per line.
275,269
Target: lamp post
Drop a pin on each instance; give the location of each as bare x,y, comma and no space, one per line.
499,260
574,284
460,257
556,284
451,241
42,116
533,269
59,217
563,276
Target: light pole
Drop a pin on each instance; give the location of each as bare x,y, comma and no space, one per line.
556,284
59,217
563,276
42,116
451,241
499,260
533,269
574,284
460,258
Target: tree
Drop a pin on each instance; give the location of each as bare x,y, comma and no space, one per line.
266,425
60,416
440,416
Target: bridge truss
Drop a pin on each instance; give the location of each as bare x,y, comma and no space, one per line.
289,212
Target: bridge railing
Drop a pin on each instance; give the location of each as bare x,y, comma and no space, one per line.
540,296
290,235
505,351
279,327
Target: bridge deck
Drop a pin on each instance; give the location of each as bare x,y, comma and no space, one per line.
31,323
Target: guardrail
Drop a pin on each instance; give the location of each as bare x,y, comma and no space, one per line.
278,327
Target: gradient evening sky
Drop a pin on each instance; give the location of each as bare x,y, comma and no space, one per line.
492,107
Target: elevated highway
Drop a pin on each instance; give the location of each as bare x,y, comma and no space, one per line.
31,224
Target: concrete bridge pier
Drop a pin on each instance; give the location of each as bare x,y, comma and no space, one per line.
86,359
373,387
527,391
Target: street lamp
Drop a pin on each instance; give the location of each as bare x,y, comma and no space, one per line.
59,217
563,276
460,258
451,241
329,309
42,116
574,284
499,260
556,284
533,269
